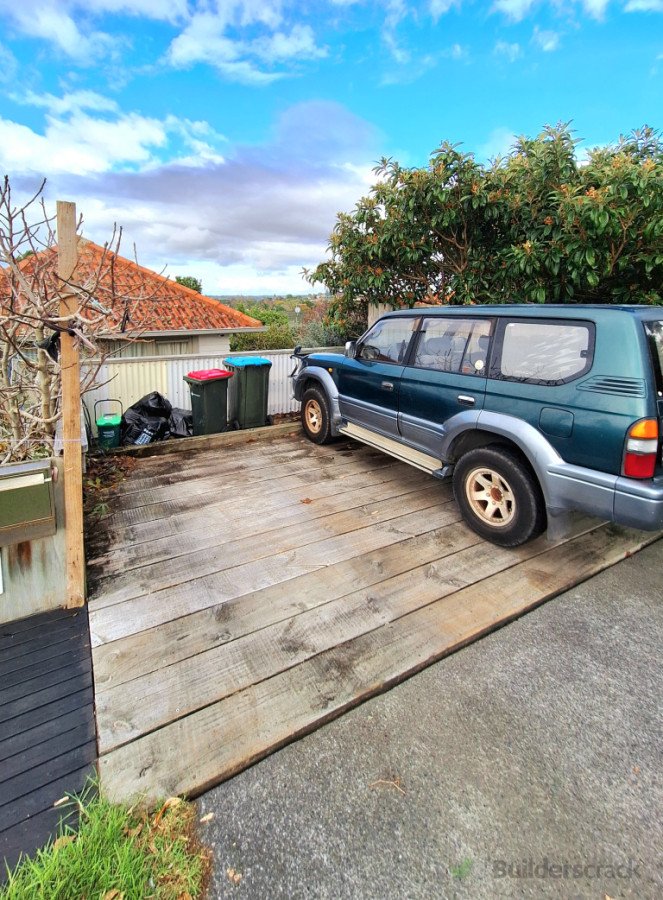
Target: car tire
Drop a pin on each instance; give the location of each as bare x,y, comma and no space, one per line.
316,420
499,497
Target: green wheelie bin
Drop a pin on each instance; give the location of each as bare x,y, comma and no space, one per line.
209,400
249,391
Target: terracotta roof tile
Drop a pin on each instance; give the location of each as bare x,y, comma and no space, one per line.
143,301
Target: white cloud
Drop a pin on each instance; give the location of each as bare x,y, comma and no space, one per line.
86,133
207,39
644,6
247,220
595,8
68,103
514,9
8,65
68,24
439,8
510,52
80,144
546,40
56,26
395,12
457,51
280,47
500,141
517,10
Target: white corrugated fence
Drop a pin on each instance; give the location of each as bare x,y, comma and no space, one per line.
128,380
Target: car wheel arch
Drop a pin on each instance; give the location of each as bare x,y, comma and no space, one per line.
522,439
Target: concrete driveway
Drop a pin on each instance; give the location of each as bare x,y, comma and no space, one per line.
526,765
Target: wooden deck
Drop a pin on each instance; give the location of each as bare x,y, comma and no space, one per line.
47,736
241,597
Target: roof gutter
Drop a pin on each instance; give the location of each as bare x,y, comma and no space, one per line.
178,333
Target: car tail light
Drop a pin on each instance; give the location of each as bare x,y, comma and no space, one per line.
641,451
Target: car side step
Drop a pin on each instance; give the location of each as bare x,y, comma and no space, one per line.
406,454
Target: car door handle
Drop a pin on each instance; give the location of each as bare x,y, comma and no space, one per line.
466,400
387,385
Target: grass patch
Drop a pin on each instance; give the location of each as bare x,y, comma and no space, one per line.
117,853
463,869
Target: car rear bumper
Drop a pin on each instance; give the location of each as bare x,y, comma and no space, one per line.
626,501
639,503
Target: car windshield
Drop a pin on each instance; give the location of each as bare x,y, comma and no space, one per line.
654,331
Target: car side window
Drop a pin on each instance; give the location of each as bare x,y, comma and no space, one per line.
454,345
388,340
545,352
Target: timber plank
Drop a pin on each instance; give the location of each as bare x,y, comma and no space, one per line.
227,736
41,753
207,549
10,726
211,482
187,534
126,711
28,836
77,667
119,586
40,650
251,458
46,696
111,622
169,642
67,653
57,765
282,485
43,797
26,642
47,731
284,503
258,466
10,630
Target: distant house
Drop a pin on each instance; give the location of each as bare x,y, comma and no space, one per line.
148,314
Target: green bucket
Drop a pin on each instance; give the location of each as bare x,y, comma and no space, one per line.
108,426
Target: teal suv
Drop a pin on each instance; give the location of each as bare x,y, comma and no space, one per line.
531,410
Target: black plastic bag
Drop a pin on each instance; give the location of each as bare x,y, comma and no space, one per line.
181,423
146,421
154,404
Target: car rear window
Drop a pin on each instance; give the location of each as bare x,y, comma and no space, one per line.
544,352
654,332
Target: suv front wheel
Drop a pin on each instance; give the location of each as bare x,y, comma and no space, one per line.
498,496
316,420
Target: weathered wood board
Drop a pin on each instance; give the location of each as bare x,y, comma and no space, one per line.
47,729
263,590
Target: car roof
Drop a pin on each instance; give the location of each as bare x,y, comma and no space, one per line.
535,310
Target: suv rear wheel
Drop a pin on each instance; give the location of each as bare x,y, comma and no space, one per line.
498,496
315,416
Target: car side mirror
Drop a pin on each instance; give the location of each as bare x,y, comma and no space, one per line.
351,349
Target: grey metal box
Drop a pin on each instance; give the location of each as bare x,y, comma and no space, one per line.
27,506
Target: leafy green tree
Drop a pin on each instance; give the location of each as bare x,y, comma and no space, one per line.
276,337
195,284
264,312
535,226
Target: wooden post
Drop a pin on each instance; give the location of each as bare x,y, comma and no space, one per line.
71,412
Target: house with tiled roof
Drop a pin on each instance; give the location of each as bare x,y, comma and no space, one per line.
146,313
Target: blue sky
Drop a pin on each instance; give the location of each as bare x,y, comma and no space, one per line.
225,135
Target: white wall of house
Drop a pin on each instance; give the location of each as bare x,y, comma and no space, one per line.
212,344
172,345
